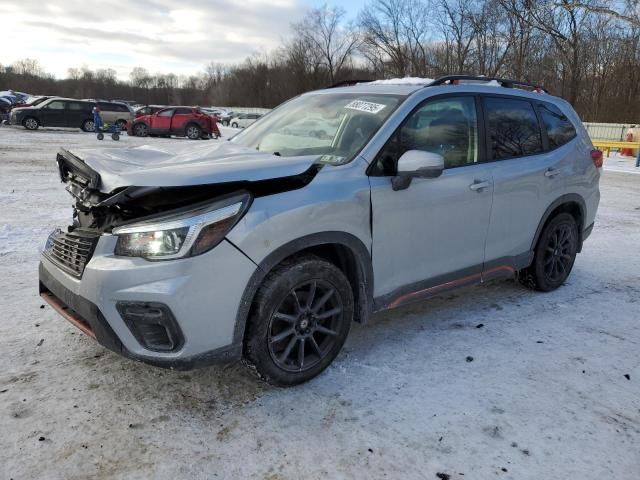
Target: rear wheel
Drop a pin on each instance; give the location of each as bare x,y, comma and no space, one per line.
234,125
193,132
140,130
30,123
300,319
555,254
88,126
115,136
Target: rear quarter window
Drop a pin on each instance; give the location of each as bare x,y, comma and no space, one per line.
559,128
513,128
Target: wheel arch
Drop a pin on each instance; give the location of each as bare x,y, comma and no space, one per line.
344,250
571,203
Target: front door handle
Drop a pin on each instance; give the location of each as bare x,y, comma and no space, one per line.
551,172
479,185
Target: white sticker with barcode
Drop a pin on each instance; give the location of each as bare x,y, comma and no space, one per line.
363,106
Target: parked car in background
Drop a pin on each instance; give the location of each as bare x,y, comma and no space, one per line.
55,112
37,100
244,119
226,117
148,110
188,122
114,112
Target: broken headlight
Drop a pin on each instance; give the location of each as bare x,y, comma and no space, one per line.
181,234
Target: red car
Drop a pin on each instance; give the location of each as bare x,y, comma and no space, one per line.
179,121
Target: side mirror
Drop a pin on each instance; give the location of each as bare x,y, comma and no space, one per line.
417,164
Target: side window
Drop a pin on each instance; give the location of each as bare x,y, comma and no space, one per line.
445,126
513,128
58,105
559,129
165,113
122,108
106,107
75,106
183,111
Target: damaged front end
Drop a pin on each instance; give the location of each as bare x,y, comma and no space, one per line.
102,212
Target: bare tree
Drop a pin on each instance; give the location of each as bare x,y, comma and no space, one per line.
328,37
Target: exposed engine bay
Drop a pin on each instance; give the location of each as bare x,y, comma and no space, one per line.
96,210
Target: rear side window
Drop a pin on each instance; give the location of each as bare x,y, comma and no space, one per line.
107,107
75,106
513,128
183,111
559,129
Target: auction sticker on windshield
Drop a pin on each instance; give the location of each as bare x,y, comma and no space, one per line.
363,106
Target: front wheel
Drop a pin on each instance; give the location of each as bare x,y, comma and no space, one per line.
554,256
234,125
30,123
299,321
140,130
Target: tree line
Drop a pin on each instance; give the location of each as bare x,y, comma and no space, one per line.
587,51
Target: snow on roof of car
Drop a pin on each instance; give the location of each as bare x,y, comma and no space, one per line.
401,81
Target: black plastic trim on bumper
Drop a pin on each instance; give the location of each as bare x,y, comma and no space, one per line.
106,337
587,231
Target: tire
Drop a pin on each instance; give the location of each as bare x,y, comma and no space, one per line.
140,130
88,126
100,136
115,136
299,321
193,132
554,255
30,123
234,125
225,123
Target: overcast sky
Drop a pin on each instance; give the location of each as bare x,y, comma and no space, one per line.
179,36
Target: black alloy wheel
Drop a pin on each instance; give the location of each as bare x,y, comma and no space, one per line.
304,328
555,254
299,320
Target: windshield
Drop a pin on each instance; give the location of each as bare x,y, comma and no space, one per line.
336,126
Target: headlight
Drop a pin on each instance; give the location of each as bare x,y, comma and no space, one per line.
182,234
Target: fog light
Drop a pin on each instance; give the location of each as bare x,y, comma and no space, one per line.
152,324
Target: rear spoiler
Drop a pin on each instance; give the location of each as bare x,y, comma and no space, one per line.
73,169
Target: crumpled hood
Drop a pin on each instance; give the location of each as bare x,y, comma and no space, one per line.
183,164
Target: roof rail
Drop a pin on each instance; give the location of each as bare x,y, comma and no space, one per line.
506,83
348,83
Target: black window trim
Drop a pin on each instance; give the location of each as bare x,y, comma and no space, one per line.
544,128
480,133
485,121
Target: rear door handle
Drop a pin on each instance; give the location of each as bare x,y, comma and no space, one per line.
551,172
479,185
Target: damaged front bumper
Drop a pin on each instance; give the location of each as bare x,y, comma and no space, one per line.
198,299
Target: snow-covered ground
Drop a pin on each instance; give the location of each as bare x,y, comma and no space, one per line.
491,382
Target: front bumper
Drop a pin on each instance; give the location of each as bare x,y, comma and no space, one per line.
203,293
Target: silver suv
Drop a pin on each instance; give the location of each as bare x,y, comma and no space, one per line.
268,246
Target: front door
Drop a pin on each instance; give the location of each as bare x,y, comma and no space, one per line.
161,121
55,114
432,234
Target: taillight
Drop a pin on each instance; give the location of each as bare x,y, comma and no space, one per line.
596,156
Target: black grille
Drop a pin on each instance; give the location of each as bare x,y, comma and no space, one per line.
71,251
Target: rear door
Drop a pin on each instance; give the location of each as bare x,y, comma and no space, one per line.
54,114
161,121
180,118
432,234
527,177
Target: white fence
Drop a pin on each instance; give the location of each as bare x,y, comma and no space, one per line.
607,131
247,110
